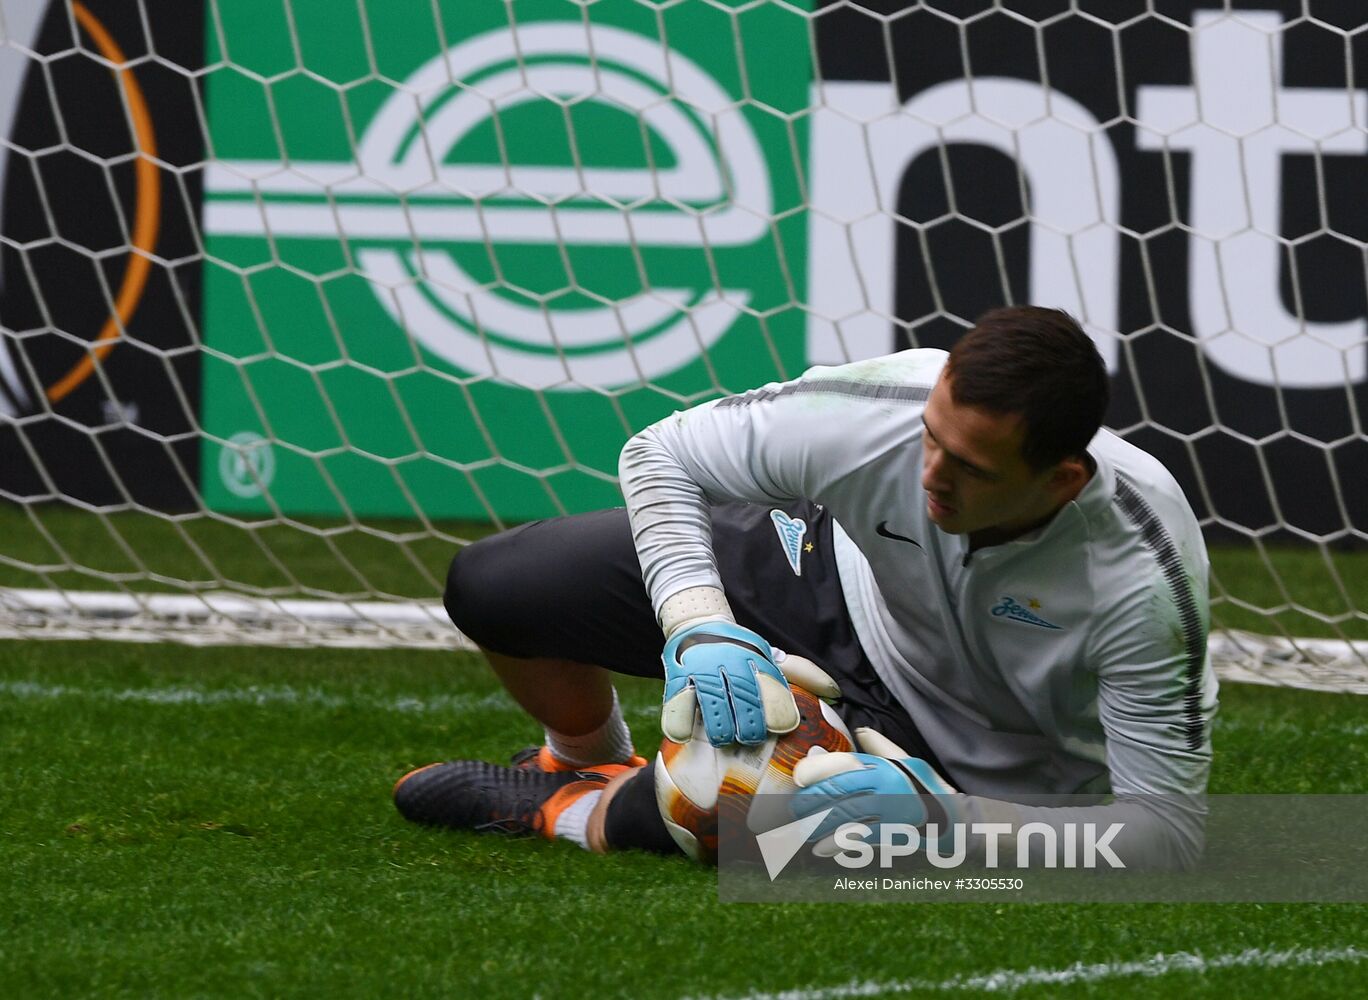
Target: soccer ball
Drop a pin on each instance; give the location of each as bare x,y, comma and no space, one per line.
696,782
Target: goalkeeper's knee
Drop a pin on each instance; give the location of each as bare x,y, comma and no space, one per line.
480,597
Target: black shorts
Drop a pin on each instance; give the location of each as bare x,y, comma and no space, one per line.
570,588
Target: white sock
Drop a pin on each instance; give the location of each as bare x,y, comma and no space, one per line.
610,743
573,823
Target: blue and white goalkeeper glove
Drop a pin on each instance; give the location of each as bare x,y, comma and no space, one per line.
882,785
729,676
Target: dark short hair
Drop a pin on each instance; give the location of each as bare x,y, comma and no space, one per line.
1037,363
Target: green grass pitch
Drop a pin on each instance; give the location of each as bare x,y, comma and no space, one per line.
216,822
1296,590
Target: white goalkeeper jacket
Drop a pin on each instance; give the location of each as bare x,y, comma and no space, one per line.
1070,660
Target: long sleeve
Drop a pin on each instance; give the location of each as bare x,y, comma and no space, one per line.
784,441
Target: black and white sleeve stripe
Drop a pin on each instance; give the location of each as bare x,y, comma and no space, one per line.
1158,540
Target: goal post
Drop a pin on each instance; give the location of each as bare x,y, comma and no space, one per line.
296,297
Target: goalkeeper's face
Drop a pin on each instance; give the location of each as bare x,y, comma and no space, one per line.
975,478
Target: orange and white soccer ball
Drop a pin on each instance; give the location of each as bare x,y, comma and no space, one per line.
696,783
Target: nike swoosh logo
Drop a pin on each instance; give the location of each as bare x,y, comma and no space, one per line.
883,530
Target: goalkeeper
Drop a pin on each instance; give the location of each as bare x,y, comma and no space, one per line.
1012,595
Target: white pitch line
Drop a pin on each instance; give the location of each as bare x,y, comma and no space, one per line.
1293,728
255,695
1011,980
265,696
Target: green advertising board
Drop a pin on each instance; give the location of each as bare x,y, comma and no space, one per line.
454,260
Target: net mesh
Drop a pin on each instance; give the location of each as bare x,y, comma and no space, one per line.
297,300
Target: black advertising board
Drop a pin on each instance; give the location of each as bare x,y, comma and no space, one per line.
76,197
1186,177
1234,265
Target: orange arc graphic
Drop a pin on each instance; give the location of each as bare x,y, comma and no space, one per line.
147,215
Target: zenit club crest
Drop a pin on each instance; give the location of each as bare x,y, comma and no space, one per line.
1008,608
791,531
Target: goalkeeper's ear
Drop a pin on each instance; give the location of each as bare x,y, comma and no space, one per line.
802,672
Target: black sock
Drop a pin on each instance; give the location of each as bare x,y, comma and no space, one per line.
633,819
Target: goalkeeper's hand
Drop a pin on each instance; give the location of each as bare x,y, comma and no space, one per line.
729,676
881,785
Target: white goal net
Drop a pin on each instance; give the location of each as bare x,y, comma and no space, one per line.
298,297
